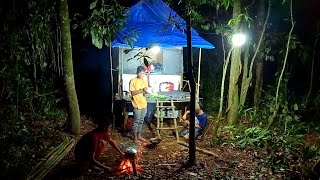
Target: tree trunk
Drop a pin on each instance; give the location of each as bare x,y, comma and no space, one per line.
245,79
112,84
312,64
247,75
192,142
224,72
74,113
259,64
275,112
258,83
233,96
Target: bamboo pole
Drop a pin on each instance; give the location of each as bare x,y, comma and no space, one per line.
112,83
54,158
48,161
199,73
36,169
43,159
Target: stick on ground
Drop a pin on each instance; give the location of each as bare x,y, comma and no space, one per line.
210,153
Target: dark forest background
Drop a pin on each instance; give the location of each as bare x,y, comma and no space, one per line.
33,101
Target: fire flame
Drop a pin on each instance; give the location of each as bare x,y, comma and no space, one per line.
126,166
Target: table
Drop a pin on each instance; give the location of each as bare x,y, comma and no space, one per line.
177,101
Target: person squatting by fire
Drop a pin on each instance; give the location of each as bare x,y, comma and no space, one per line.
89,148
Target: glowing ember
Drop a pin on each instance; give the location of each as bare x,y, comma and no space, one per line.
126,167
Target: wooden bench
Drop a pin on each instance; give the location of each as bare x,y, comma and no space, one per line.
51,159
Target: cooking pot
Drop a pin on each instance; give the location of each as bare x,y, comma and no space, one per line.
155,140
153,143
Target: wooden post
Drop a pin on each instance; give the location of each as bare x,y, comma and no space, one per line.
192,142
199,73
112,84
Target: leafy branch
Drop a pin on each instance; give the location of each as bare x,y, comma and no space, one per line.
104,22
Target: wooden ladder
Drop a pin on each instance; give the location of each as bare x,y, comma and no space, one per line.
161,108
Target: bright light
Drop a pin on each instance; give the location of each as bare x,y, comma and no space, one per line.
238,39
134,151
155,49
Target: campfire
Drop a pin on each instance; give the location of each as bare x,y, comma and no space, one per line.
129,164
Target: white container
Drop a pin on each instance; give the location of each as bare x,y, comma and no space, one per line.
176,113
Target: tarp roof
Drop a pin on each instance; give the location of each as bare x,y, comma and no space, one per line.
156,23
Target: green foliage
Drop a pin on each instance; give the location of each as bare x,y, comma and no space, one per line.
224,30
316,100
225,3
247,114
30,90
229,134
104,21
287,113
285,144
200,12
25,76
254,136
283,149
243,137
138,56
286,152
241,18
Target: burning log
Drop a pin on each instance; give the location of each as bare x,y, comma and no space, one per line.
199,149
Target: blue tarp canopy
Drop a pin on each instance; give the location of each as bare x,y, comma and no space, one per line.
156,24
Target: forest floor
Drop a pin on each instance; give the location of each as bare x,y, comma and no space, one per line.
168,160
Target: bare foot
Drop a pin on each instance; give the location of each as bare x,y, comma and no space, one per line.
142,139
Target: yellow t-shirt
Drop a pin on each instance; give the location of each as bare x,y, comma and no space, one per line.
138,101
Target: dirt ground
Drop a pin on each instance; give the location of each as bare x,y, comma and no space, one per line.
168,160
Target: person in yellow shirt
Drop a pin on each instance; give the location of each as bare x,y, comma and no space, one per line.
138,88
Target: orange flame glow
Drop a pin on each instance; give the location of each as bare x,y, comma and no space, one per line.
126,166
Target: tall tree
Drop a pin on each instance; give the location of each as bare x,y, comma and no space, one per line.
246,80
192,143
247,72
233,93
259,63
73,123
224,72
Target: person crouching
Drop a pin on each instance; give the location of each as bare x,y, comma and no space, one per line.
91,145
